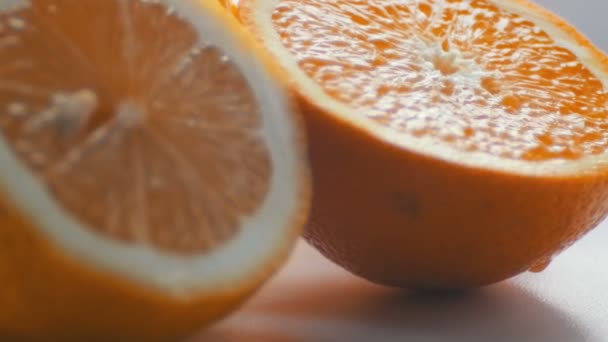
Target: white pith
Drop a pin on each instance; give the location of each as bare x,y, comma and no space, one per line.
260,237
262,10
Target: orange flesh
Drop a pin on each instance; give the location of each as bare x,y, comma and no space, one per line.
138,128
462,72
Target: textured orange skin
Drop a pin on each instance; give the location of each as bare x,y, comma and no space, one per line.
48,295
400,218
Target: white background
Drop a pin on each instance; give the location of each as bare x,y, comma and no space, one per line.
313,300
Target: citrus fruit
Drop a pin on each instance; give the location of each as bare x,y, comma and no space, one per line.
454,143
152,171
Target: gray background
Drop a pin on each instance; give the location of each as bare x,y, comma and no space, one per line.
590,16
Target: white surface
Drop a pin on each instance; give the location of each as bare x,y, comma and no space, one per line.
313,300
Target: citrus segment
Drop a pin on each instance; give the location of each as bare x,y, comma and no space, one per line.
173,112
150,156
468,74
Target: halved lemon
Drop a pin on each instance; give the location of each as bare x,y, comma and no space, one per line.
152,171
454,143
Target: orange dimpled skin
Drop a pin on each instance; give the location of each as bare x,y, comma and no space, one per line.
454,143
401,219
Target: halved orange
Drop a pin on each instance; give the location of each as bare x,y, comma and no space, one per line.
454,143
152,171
